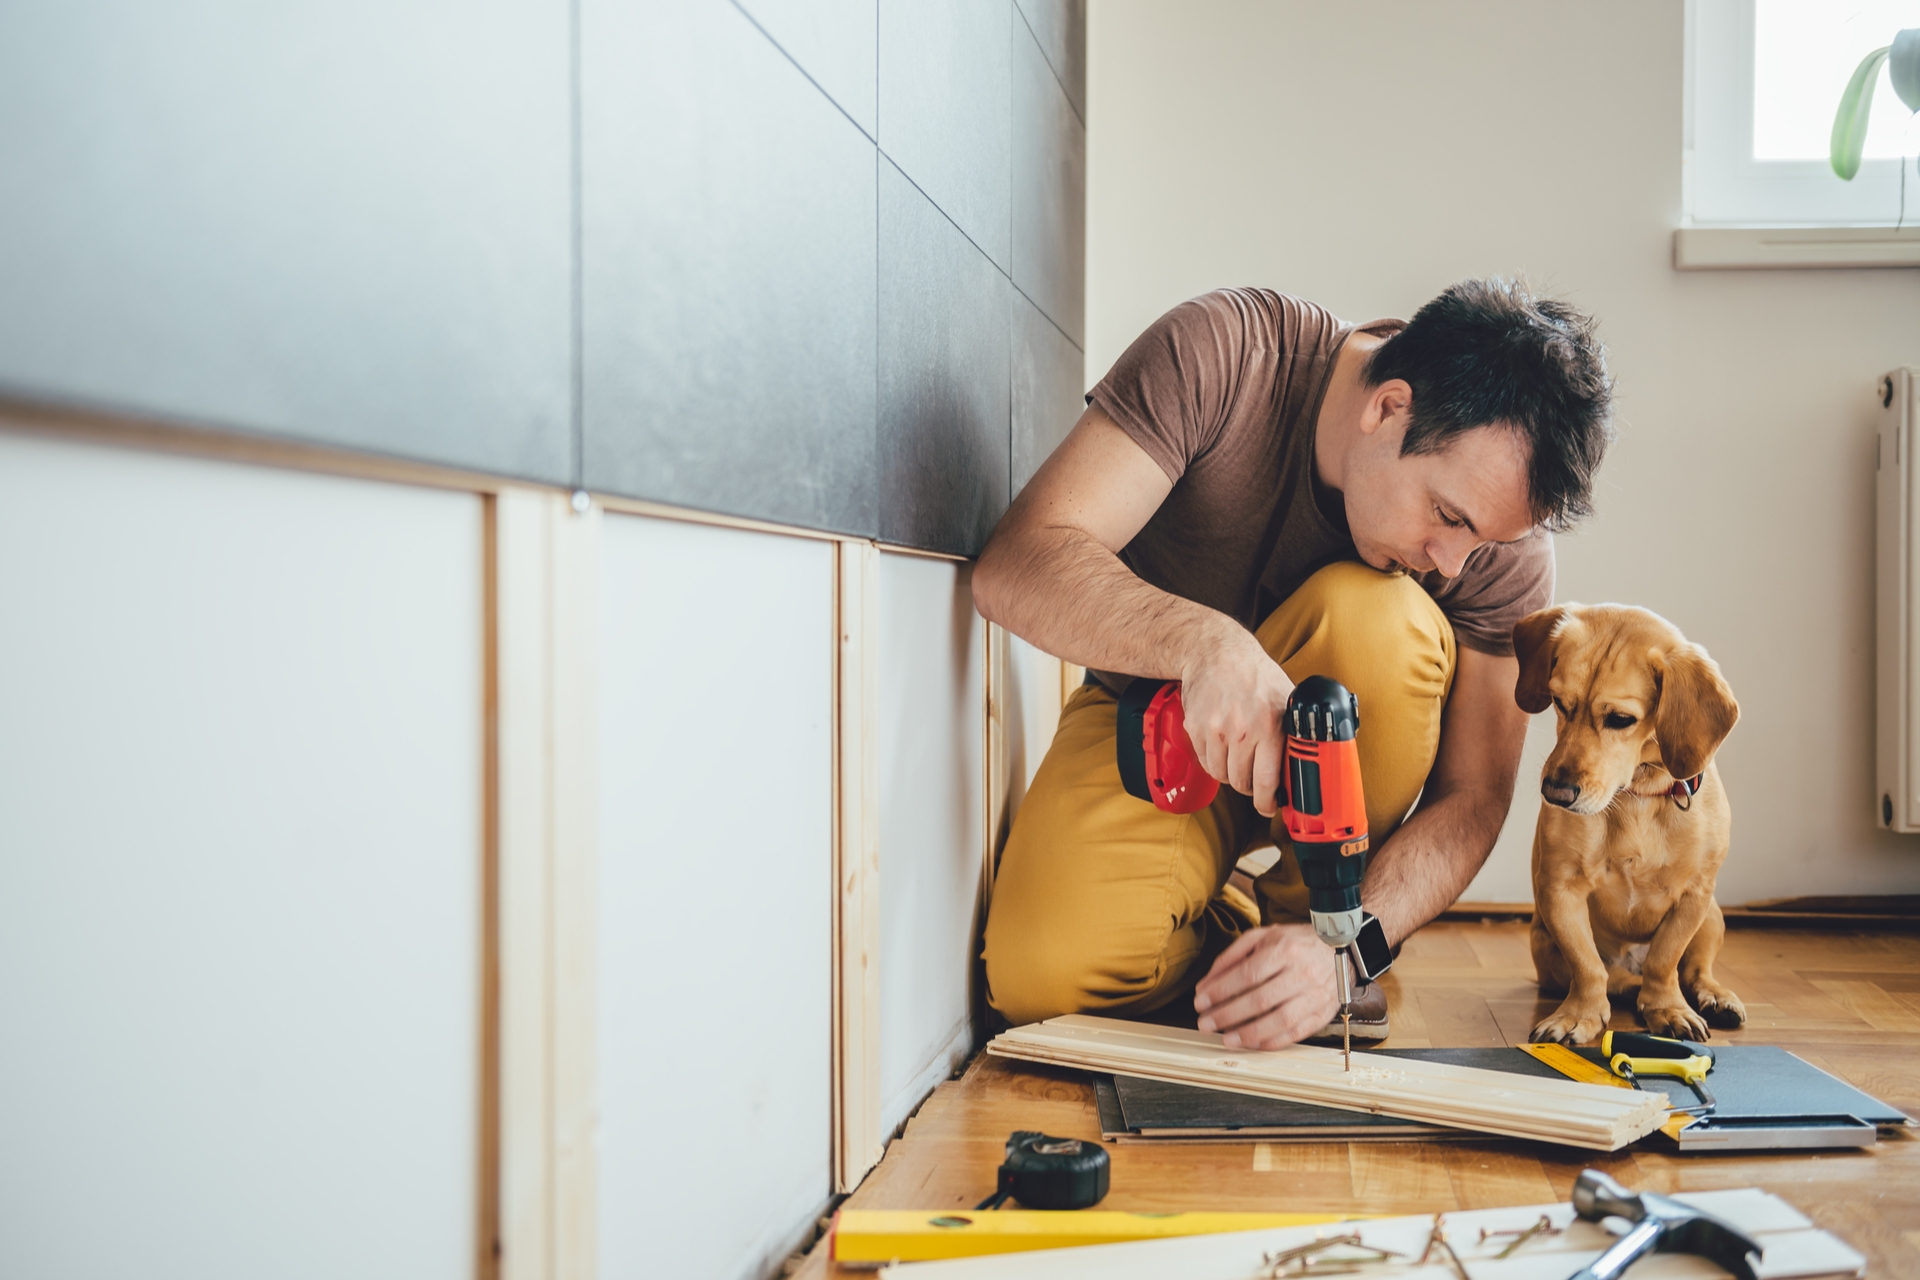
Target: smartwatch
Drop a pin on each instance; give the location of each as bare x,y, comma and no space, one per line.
1371,954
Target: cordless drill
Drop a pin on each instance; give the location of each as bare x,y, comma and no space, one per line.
1323,806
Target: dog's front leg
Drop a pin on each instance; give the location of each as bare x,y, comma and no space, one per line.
1583,1014
1661,1002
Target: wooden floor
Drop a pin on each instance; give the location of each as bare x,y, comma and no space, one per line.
1847,1002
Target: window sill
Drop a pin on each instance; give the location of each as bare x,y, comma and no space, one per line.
1745,248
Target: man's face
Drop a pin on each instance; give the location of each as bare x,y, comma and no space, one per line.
1432,510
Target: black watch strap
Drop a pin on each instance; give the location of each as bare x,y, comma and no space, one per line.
1371,954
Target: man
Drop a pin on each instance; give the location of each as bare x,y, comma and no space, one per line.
1256,493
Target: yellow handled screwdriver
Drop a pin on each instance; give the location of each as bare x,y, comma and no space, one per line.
1631,1054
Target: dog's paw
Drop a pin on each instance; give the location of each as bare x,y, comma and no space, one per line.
1572,1024
1719,1006
1678,1021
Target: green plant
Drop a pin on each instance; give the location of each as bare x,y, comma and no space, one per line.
1902,59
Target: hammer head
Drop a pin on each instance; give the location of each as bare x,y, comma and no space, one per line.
1683,1229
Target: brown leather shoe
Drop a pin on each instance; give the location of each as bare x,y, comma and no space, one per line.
1369,1017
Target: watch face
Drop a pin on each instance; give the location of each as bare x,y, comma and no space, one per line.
1371,949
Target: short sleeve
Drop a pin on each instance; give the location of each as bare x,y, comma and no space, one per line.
1500,584
1172,390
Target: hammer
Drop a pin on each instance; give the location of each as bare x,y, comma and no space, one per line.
1658,1224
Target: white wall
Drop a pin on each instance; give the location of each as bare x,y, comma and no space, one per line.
1367,156
715,715
932,813
241,773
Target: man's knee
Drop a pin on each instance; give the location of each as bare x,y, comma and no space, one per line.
1039,972
1366,621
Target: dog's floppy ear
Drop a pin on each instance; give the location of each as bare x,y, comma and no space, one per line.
1533,645
1696,710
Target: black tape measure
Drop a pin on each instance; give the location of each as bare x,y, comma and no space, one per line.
1042,1172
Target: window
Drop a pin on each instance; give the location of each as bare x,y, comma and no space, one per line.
1763,80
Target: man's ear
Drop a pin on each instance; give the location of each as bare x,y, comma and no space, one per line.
1696,710
1533,645
1392,398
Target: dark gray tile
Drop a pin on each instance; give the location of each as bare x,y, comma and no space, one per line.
729,218
944,108
944,378
834,41
1049,380
1061,28
345,223
1049,190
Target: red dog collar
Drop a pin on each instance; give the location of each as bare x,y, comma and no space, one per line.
1683,790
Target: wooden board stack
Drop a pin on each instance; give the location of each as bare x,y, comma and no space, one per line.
1513,1106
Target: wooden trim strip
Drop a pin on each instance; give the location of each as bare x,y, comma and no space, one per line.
523,531
689,515
29,418
576,912
487,1208
999,784
857,1140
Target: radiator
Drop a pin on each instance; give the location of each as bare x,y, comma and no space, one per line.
1897,606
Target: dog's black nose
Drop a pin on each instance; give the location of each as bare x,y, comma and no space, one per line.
1558,792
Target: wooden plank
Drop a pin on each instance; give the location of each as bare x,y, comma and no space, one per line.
575,1012
486,1262
545,584
522,534
999,786
857,1139
1463,1097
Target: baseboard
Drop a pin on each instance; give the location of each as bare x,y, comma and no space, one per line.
1466,910
1898,912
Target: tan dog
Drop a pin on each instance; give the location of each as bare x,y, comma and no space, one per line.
1624,860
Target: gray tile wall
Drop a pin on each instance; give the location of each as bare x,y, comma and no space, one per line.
814,261
347,223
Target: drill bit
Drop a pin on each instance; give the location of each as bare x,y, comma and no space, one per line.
1346,1008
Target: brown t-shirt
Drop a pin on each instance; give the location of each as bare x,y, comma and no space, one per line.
1223,392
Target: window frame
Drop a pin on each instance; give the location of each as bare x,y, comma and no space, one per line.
1722,185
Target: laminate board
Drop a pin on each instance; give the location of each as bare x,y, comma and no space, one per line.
687,676
932,817
945,68
347,224
242,778
1049,189
728,273
945,382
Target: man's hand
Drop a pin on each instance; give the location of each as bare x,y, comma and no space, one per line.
1273,987
1234,695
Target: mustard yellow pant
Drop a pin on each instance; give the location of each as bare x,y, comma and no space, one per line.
1104,904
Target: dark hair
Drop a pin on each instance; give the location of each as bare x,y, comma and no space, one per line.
1488,352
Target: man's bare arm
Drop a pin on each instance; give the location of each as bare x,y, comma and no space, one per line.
1051,575
1427,864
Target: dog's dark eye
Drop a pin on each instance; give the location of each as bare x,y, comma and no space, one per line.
1617,721
1561,707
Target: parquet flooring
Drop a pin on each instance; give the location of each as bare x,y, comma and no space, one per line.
1849,1003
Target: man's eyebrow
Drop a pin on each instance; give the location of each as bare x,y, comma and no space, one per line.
1459,513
